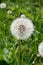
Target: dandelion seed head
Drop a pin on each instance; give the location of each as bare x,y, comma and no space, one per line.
22,16
40,49
17,6
38,55
22,28
3,5
33,62
9,12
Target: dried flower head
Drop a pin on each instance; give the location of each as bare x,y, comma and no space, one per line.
22,27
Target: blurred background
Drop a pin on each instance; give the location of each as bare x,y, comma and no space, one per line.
32,9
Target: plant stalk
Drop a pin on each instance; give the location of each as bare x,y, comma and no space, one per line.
18,52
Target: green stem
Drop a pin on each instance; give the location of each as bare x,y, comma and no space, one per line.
18,52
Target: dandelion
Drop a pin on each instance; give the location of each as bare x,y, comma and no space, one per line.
22,16
5,50
17,6
38,55
9,12
3,5
33,62
40,49
22,27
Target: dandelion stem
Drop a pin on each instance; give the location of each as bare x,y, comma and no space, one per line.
18,52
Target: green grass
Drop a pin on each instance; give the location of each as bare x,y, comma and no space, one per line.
9,44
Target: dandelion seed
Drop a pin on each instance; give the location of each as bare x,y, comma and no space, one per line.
22,27
40,49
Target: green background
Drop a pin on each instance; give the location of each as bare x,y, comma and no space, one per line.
32,9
